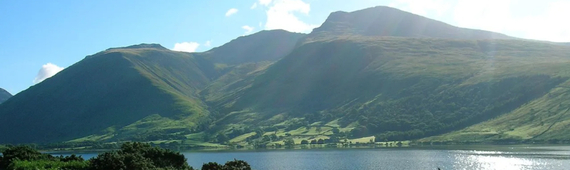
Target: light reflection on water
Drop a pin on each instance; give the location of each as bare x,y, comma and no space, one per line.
495,161
341,159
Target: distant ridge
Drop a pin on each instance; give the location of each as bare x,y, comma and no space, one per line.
244,49
387,21
4,95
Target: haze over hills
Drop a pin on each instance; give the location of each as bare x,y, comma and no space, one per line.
386,21
378,71
4,95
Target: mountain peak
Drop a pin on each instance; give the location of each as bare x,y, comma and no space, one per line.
267,45
4,95
142,46
387,21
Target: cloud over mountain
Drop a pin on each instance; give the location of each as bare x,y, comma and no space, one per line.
47,71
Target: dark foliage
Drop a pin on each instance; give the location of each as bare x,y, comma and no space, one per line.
230,165
139,156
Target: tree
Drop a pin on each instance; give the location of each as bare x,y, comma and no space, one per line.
24,153
139,156
289,142
335,130
230,165
274,137
236,165
212,166
222,138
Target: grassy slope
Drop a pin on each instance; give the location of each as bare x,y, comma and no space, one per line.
545,118
426,85
106,92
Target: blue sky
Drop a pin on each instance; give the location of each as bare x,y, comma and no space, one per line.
40,38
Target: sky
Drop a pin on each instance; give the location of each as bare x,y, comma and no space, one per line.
40,38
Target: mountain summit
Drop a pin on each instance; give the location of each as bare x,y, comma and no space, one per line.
387,21
4,95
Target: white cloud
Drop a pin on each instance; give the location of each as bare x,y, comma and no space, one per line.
492,15
540,20
47,71
231,12
248,29
253,6
186,46
281,15
264,2
550,25
208,43
422,7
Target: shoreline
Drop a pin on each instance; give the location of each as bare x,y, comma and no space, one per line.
481,147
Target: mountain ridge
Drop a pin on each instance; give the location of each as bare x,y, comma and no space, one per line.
375,72
4,95
387,21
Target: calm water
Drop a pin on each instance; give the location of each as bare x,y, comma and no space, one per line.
503,158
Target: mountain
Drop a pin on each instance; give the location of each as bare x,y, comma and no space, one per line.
355,74
386,21
108,91
246,49
4,95
131,93
375,72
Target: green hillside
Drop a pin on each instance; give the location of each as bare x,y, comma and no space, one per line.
368,75
542,120
107,91
141,92
400,88
4,95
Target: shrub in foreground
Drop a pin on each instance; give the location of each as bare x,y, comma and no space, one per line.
139,156
131,156
230,165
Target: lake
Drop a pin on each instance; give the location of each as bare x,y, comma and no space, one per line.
456,157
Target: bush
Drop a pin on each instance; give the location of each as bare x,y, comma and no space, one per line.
139,156
23,153
48,165
230,165
131,156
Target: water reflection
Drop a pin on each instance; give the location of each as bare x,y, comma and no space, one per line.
373,159
490,160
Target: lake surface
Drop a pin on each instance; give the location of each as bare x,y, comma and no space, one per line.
484,157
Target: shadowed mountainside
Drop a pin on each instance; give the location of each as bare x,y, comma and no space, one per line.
4,95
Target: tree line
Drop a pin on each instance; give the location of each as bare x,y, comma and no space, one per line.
131,156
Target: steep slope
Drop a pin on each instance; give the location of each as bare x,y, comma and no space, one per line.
108,91
4,95
373,72
542,120
262,46
401,88
386,21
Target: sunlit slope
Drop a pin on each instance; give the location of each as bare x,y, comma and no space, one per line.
4,95
107,91
544,119
401,88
